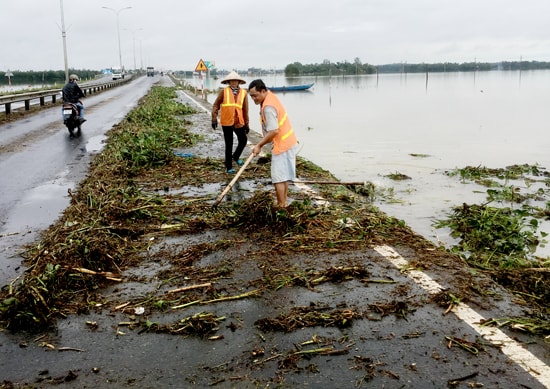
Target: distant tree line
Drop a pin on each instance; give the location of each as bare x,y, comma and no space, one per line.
327,68
356,67
46,77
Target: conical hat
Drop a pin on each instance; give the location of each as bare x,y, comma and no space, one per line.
233,76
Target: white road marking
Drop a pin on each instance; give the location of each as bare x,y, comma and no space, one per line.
530,363
195,101
318,200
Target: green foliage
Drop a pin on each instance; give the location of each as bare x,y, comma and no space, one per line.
489,236
346,68
310,168
480,173
461,67
151,131
259,212
329,68
398,176
503,237
102,229
506,193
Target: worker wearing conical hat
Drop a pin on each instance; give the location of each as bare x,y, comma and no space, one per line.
232,105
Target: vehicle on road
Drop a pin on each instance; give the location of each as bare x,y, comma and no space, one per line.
150,71
71,119
117,72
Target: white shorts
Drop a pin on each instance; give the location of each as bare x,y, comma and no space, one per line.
283,166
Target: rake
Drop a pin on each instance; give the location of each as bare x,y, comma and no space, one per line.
233,181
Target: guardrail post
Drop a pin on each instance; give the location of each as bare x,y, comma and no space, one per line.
8,108
27,104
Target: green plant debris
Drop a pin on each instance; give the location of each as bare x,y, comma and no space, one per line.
446,299
398,176
474,173
117,211
108,214
310,278
398,308
199,324
471,347
533,325
500,236
312,316
125,208
419,155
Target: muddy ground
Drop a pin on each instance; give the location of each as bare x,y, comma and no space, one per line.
244,307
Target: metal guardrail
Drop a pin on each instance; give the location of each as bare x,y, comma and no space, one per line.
88,89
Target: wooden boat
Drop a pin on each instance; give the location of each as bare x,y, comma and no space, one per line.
289,88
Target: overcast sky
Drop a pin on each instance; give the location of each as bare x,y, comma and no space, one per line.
239,34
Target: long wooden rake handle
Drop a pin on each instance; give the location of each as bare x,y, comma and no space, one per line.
230,185
354,183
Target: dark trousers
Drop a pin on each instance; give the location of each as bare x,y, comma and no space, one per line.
231,156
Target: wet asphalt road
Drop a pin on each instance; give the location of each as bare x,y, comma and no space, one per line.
39,163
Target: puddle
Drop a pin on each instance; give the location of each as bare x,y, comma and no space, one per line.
239,191
139,281
39,207
96,143
191,191
186,241
32,214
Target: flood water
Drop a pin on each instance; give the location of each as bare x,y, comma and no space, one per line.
363,128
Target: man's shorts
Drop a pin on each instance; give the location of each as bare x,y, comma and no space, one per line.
283,166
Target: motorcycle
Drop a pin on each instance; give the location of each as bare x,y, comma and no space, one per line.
71,118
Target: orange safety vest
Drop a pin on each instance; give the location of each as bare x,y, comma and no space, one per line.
286,138
231,111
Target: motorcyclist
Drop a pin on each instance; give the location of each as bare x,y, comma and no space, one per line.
73,94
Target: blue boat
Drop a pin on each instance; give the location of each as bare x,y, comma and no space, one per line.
290,88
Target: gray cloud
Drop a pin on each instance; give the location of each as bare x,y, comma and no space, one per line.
175,34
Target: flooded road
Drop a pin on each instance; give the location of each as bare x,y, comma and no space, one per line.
416,350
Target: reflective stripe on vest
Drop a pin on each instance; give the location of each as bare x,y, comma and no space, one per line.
231,109
285,139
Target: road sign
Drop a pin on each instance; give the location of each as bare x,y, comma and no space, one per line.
201,67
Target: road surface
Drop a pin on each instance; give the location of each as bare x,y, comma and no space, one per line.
39,163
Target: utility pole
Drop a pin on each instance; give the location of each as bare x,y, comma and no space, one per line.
117,12
141,54
134,42
64,35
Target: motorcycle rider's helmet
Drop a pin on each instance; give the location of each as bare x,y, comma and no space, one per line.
73,77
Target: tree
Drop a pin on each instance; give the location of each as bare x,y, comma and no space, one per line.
357,67
294,69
